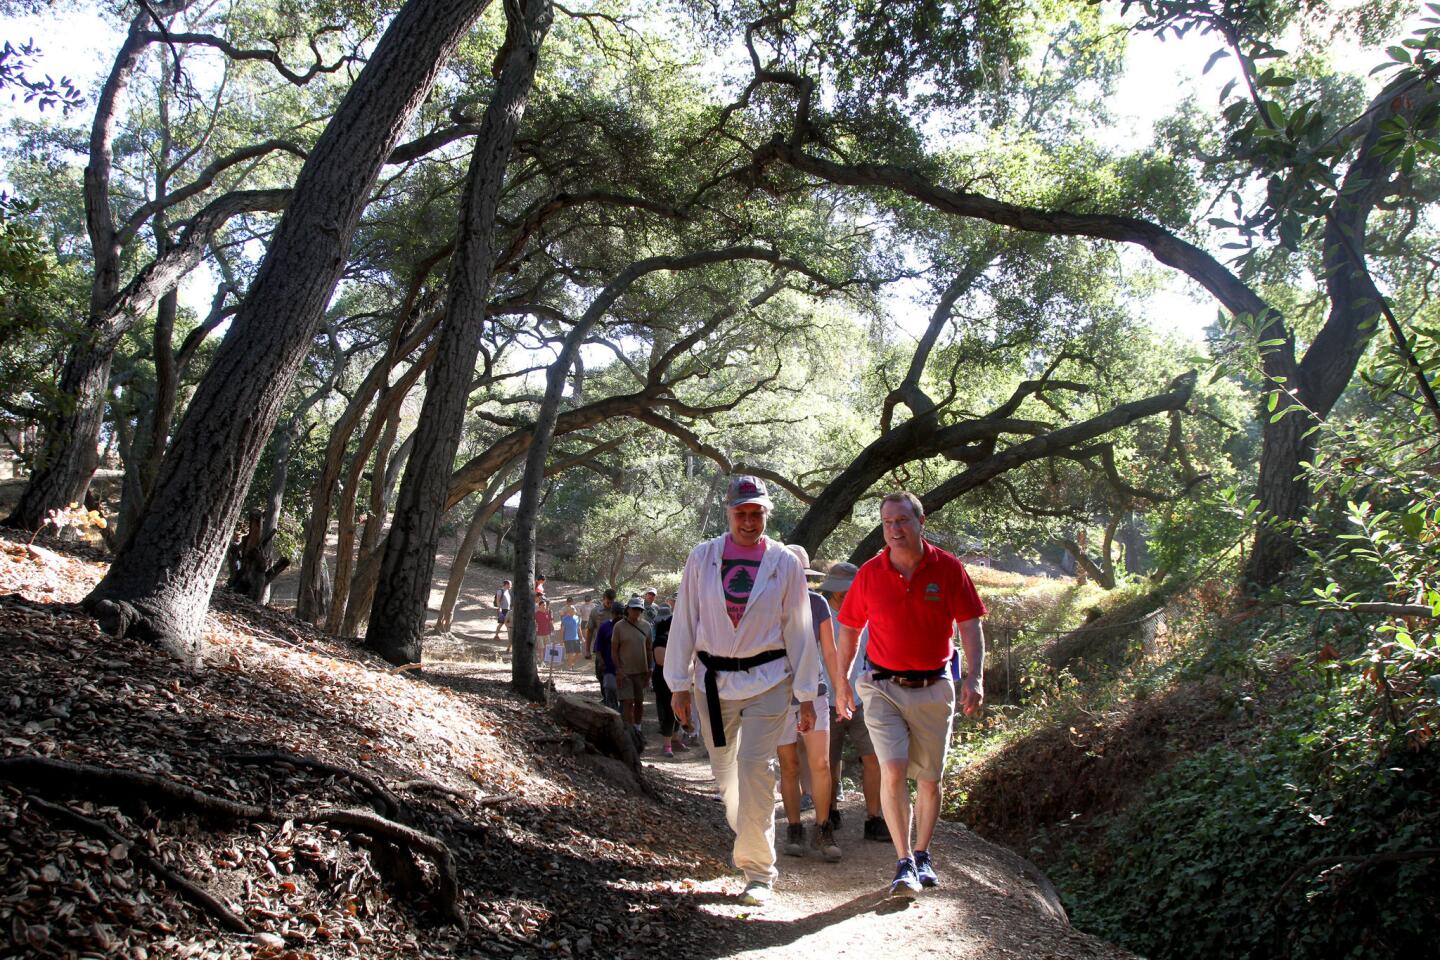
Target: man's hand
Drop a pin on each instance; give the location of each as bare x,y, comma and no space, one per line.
680,703
844,699
807,716
972,694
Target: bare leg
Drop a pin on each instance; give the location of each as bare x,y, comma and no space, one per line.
927,811
789,755
895,801
870,777
817,752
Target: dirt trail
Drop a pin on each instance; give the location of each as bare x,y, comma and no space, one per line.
991,903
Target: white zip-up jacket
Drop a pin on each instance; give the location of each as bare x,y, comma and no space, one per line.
777,614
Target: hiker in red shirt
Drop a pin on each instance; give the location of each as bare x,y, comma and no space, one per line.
910,595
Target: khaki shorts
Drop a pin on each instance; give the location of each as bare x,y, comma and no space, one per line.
909,723
792,723
632,686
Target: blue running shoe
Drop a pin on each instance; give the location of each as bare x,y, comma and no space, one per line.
906,882
924,870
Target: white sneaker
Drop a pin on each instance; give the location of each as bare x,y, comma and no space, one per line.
756,894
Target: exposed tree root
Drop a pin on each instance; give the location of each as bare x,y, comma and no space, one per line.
120,618
196,894
388,805
123,787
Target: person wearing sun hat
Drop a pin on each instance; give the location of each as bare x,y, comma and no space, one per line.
741,635
630,640
816,741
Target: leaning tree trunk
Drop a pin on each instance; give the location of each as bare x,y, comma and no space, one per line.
70,452
363,584
1284,495
397,618
489,505
345,546
313,592
159,586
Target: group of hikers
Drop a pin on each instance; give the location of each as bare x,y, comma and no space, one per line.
759,666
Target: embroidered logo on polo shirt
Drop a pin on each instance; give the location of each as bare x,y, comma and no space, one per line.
932,592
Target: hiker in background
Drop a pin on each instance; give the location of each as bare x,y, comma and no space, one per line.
544,622
630,642
910,595
540,584
570,634
502,604
816,741
599,614
652,610
743,614
834,587
605,658
672,737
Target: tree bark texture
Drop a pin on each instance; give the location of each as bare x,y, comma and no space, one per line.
159,585
397,618
71,446
491,502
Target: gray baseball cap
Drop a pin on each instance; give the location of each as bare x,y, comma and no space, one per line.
745,489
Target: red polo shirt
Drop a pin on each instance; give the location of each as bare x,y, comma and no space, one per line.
911,623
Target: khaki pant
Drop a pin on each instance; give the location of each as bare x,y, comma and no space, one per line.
909,723
747,780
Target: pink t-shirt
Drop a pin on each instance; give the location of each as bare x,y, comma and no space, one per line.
738,566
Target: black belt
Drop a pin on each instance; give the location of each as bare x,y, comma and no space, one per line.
714,665
909,678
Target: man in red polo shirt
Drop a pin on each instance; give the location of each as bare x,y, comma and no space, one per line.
910,595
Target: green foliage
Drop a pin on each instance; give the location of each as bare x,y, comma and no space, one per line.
1273,846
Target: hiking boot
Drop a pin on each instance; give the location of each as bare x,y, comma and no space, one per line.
795,840
668,752
807,802
825,841
875,829
924,870
756,894
680,744
906,883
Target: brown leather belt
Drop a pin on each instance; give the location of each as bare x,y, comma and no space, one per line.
909,679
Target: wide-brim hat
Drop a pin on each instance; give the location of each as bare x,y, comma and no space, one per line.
635,603
840,577
803,556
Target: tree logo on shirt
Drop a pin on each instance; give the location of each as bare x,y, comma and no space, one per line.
932,592
740,584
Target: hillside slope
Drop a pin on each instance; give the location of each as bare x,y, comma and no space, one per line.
308,797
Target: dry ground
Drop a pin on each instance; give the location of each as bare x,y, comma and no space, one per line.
552,859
